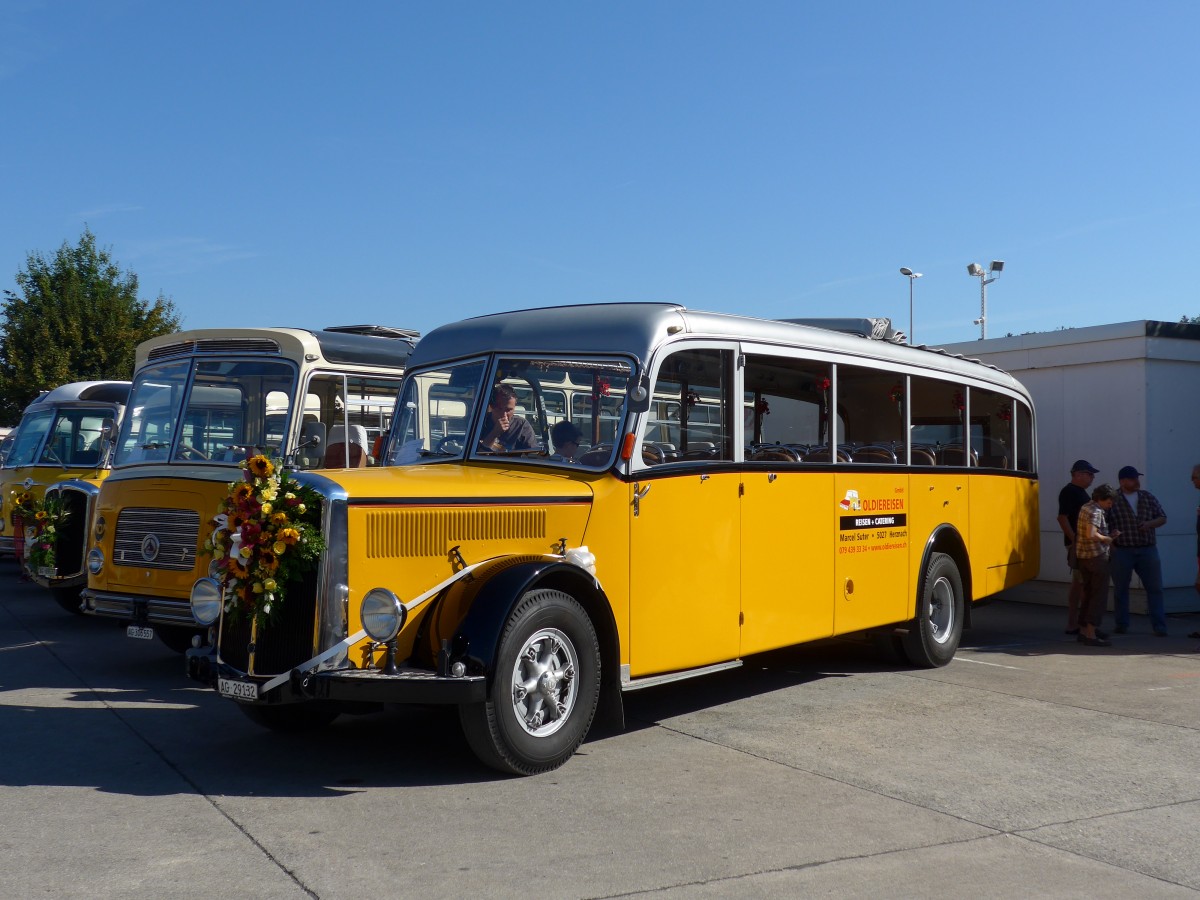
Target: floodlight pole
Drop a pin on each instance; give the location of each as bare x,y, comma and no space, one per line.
977,271
911,276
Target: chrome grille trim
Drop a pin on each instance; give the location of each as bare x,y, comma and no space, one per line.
431,532
177,531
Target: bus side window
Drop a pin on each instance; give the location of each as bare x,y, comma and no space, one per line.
937,410
784,408
690,408
871,401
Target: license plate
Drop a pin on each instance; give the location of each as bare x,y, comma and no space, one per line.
138,631
237,690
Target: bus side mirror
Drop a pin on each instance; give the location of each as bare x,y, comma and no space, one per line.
639,396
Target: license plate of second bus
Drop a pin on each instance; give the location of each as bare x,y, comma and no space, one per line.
140,632
237,690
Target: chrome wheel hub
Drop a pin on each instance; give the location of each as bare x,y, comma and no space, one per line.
544,687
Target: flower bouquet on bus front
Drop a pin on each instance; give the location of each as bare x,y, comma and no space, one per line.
265,535
43,547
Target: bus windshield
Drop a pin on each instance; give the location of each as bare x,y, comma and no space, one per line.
230,407
531,409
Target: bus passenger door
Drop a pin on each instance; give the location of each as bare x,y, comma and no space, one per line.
683,578
872,585
788,522
684,555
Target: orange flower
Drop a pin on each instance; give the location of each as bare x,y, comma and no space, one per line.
268,561
279,519
242,493
289,535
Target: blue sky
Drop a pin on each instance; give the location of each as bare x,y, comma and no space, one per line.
410,164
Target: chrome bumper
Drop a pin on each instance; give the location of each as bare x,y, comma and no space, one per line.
137,608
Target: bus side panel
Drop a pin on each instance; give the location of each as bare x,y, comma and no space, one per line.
872,584
788,522
939,497
1004,550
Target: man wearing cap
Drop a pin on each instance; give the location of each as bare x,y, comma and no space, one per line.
1136,514
1070,500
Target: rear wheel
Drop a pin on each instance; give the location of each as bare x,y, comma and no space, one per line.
933,635
547,682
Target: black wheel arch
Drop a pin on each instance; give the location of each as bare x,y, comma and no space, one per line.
499,586
946,539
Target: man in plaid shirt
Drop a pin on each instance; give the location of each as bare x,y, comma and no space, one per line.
1136,514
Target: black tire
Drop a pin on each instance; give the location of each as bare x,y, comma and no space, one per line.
933,635
549,643
179,639
292,718
68,599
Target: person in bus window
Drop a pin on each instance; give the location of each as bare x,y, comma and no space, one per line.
503,428
566,440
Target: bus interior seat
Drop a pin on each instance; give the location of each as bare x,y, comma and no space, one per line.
923,456
335,453
774,453
873,453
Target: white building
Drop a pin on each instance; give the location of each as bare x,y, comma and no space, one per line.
1114,395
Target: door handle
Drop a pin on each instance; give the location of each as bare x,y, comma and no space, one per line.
637,497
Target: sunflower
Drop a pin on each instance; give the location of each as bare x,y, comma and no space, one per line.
260,466
279,519
268,561
242,493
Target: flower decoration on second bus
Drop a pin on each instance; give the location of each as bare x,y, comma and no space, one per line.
46,523
25,506
896,395
265,536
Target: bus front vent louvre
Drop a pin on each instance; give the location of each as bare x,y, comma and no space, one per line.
214,345
408,533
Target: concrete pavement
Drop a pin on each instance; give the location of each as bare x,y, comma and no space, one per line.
1031,765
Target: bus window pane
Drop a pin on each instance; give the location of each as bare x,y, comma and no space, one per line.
785,409
992,429
937,414
871,403
1025,440
689,417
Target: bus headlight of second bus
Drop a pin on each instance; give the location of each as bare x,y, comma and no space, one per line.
206,601
95,560
382,615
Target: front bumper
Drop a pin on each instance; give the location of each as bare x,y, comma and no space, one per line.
53,582
6,545
139,609
408,685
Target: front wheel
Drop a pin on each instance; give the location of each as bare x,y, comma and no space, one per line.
933,635
544,693
68,599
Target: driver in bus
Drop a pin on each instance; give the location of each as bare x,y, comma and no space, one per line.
504,429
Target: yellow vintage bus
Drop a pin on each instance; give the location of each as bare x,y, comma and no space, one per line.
64,437
202,402
727,486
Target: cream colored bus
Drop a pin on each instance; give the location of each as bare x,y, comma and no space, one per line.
202,402
739,485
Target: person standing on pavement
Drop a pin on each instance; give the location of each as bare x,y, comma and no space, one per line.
1136,514
1092,542
1070,500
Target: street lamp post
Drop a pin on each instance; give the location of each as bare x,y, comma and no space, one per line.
911,276
977,271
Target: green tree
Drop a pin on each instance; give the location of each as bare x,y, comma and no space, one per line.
76,317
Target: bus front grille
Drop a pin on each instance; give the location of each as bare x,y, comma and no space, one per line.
285,641
157,538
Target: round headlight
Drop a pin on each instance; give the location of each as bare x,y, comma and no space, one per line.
95,560
99,530
206,601
382,614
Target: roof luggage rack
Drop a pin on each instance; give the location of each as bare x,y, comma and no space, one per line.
386,331
877,329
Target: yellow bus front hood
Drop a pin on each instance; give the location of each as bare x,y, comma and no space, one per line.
456,485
